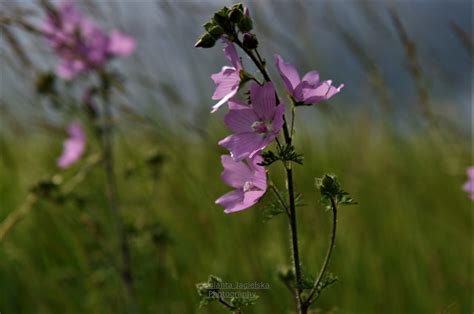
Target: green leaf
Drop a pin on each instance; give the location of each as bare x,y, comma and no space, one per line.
269,158
284,153
288,153
271,210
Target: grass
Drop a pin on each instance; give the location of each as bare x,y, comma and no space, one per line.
406,248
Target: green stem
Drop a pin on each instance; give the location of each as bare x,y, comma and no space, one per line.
126,271
290,185
315,290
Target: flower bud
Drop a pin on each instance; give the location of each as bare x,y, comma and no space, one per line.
216,31
245,25
206,41
236,15
208,26
221,18
250,41
328,185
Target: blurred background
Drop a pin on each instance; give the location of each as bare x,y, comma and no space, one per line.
399,137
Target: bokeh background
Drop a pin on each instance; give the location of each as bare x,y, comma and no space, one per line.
399,136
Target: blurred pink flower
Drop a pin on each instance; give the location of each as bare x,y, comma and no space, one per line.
254,127
228,79
74,145
309,89
469,185
79,43
247,178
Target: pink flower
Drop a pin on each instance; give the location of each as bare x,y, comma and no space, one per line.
254,127
74,146
80,44
469,185
228,79
310,89
247,178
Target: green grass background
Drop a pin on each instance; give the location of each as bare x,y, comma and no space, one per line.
405,248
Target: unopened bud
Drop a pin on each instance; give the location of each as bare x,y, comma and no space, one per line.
250,41
236,15
216,31
245,24
206,41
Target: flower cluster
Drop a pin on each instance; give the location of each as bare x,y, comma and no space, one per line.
255,124
81,46
79,43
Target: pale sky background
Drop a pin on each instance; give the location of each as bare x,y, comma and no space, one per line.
167,76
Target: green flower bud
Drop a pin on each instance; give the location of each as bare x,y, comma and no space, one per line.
245,24
235,15
238,6
221,18
328,185
216,31
208,26
206,41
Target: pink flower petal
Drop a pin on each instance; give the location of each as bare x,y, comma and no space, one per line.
67,69
260,174
224,100
232,201
235,104
227,81
251,198
235,173
470,172
278,121
288,73
231,54
121,44
74,146
263,100
240,121
311,77
243,145
333,91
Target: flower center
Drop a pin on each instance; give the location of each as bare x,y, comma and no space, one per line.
248,186
262,127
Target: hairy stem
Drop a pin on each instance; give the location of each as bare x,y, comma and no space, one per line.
294,238
315,290
107,142
259,63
